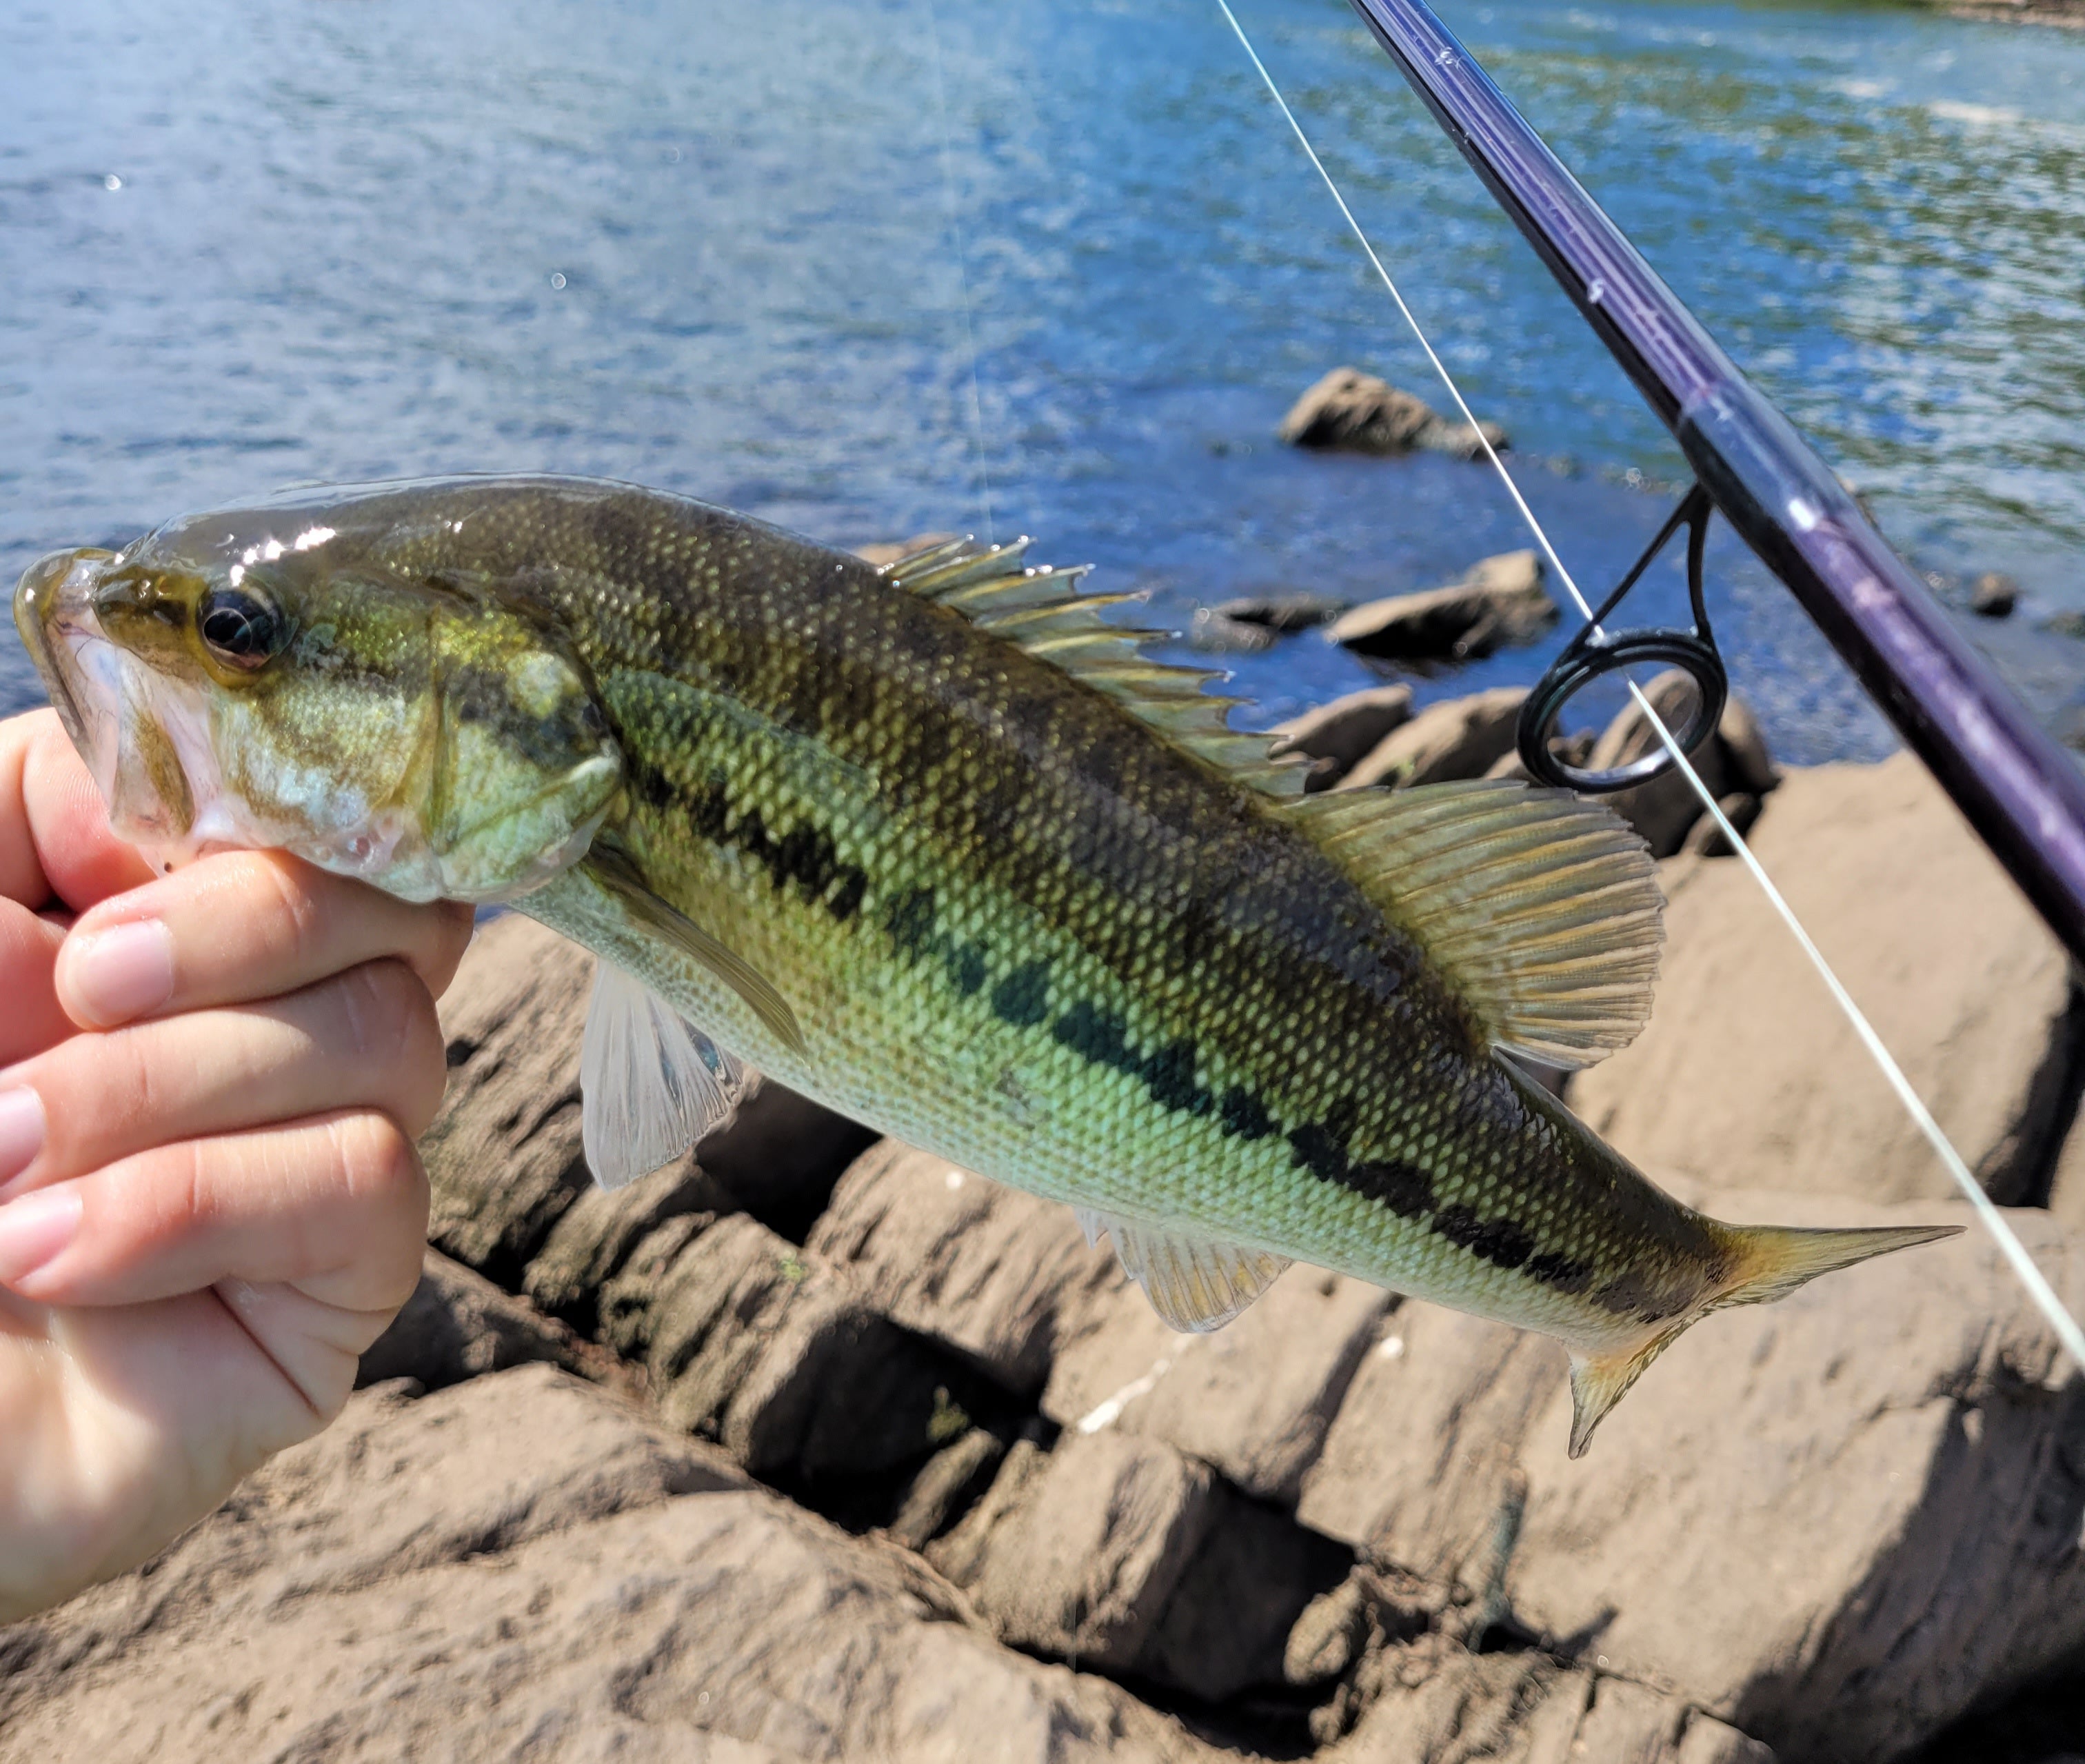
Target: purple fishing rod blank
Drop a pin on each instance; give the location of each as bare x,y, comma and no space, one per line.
2021,791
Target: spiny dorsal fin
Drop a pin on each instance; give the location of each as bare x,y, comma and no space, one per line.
1195,1284
1543,910
1043,610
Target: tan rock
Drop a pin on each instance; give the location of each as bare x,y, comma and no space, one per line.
1423,1459
1733,762
1077,1556
1837,1521
588,1244
457,1325
1351,409
1344,731
1253,1399
520,1566
1459,738
888,551
997,1274
1749,1076
1501,602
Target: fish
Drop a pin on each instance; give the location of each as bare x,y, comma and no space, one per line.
940,845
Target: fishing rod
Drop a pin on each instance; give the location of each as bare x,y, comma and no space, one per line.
2020,790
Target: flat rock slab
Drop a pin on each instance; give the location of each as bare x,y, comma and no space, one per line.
1748,1077
998,1275
1253,1399
623,1594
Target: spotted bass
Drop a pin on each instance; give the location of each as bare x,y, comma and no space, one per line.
938,845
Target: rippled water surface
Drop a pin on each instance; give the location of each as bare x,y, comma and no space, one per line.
751,250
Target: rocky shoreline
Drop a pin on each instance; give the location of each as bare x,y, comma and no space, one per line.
813,1446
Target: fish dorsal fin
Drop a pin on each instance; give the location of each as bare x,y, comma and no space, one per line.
1195,1284
651,1086
1043,610
1542,909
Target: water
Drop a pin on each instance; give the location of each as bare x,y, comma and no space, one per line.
742,251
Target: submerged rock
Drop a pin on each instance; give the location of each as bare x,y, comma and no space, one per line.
1357,412
1992,595
1500,602
1458,738
1285,613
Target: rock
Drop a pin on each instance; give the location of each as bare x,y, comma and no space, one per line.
1213,632
776,1353
504,1156
1356,411
1992,595
457,1325
1838,1521
890,551
781,1155
1706,839
1344,731
1430,1702
521,1567
1253,1399
1748,1078
1422,1460
626,1307
1459,738
1285,613
1732,761
1080,1555
945,1485
1501,602
1225,1631
1572,749
588,1244
1001,1276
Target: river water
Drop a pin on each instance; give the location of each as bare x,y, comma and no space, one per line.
1046,265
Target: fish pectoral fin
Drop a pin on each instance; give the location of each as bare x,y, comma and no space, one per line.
1600,1381
651,1086
1195,1284
614,872
1543,910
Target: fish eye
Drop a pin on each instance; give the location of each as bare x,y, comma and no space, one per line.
238,627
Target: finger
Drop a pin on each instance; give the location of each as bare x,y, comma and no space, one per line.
367,1038
55,844
32,1018
240,926
335,1206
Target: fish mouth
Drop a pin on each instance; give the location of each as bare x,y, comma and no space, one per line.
54,615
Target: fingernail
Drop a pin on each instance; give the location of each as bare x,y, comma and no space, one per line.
115,974
34,1229
21,1133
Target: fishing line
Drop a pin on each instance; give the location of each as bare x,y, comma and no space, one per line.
962,270
2022,1264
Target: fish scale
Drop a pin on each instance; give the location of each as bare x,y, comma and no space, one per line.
935,845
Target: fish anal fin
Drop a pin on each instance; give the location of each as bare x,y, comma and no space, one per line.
1600,1381
651,1086
1543,910
609,869
1195,1284
1043,611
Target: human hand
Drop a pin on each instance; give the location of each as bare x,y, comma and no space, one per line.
210,1083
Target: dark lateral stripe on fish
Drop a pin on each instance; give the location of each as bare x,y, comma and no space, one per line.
806,855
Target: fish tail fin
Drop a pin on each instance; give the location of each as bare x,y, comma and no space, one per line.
1599,1381
1770,1261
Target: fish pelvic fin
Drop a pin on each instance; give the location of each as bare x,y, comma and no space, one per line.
1543,911
653,1086
1772,1260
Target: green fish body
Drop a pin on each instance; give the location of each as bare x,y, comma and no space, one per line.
938,846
